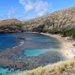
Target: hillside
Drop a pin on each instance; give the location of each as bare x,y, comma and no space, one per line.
59,19
10,25
9,22
62,22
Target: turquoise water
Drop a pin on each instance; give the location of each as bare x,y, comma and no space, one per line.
3,71
35,52
6,71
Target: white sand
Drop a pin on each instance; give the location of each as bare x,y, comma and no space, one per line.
66,45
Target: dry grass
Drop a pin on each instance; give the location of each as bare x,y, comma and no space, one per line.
54,69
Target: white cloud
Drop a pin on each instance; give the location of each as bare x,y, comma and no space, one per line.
11,13
40,7
29,6
22,2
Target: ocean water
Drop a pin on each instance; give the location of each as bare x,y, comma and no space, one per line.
35,45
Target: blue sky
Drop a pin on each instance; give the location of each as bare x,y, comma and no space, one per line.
28,9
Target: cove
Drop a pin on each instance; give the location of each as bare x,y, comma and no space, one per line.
40,48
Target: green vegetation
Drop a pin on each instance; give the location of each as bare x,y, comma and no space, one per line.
64,32
38,29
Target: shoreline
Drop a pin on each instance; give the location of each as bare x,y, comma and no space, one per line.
66,45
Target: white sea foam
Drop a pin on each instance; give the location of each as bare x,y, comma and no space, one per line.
21,43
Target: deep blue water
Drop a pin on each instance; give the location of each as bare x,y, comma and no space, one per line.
38,41
7,41
33,41
35,44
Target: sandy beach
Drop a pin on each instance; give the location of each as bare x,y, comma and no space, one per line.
66,45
